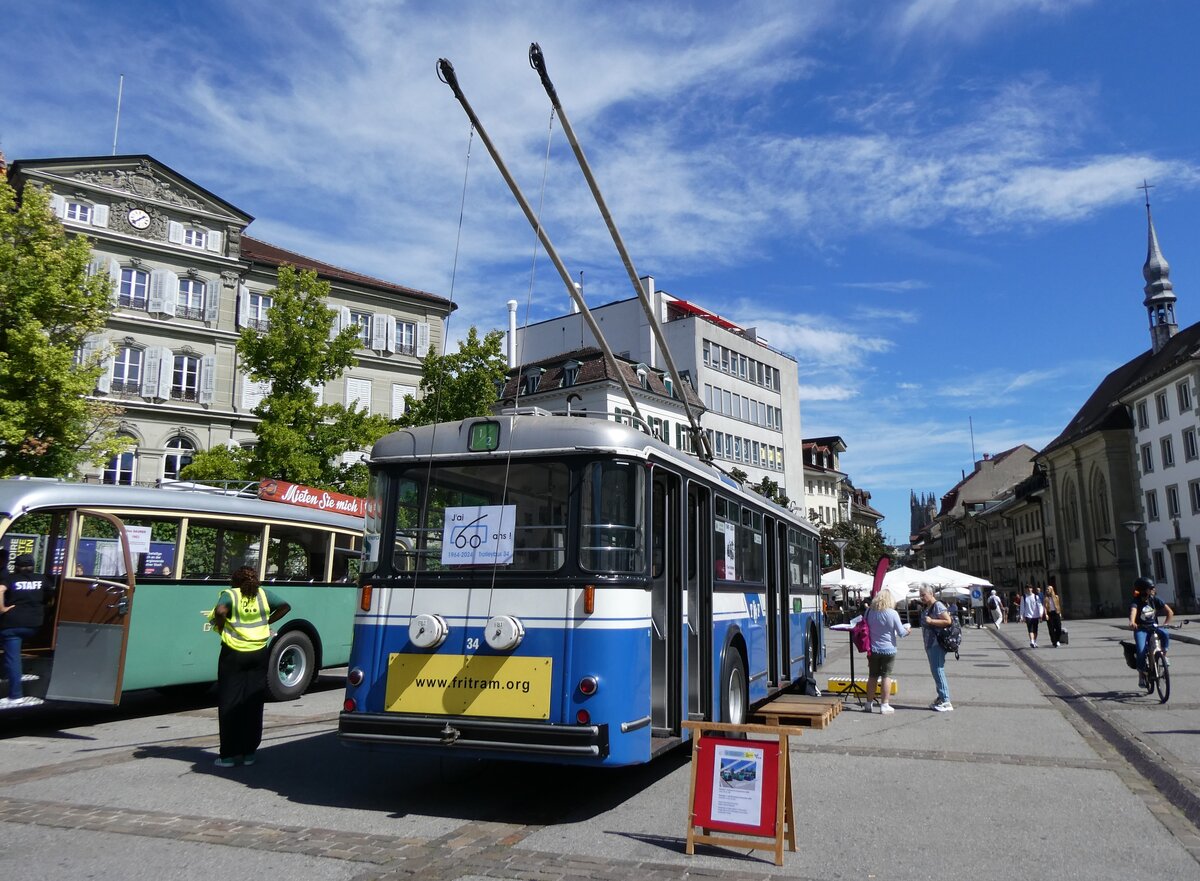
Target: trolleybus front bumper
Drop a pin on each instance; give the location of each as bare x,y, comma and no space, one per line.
459,732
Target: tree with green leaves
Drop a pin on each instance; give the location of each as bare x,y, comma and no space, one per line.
863,551
49,304
459,385
299,440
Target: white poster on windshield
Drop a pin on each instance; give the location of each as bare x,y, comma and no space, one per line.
479,535
139,540
737,785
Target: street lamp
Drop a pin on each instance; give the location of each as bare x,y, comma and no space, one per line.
1133,526
840,544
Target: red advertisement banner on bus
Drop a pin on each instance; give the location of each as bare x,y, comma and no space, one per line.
273,490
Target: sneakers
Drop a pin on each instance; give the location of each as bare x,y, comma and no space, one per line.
226,763
886,709
13,702
872,706
1141,680
250,759
1032,644
1166,660
943,707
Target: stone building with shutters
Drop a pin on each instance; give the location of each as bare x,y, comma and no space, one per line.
186,280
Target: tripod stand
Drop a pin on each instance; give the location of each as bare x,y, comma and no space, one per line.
854,689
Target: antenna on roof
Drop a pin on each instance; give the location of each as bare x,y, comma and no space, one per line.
971,426
117,126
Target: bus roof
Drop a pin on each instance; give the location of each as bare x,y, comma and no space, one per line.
22,495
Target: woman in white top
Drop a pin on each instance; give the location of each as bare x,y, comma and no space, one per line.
883,623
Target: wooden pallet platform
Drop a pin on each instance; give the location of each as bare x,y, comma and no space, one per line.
809,713
824,700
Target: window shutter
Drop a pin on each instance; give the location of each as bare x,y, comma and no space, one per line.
319,390
114,274
335,319
343,318
150,372
398,394
358,394
422,339
92,346
58,205
175,232
95,267
391,342
253,392
212,300
214,241
379,332
164,292
99,215
166,367
208,378
243,305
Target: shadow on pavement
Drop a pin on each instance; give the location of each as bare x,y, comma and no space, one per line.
322,772
679,845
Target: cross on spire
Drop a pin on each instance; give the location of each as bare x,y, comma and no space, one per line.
1147,188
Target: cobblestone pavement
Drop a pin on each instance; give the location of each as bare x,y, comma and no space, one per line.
1038,740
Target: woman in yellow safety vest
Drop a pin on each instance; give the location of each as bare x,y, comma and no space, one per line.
243,616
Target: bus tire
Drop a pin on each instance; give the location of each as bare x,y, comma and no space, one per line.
292,666
735,694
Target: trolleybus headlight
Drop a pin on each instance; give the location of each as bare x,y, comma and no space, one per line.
583,717
349,705
588,685
355,676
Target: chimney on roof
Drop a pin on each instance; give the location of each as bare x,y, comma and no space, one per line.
512,333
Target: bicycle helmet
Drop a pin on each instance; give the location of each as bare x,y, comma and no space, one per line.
1143,583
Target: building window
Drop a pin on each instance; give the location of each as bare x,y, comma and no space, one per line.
1143,416
1184,391
1172,502
191,299
1164,409
406,338
179,456
363,321
79,211
257,308
1151,504
185,380
570,373
1147,459
707,346
195,238
1160,568
127,370
121,468
1168,452
1190,450
135,287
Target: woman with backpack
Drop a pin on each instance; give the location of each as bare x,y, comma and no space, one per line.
883,623
935,615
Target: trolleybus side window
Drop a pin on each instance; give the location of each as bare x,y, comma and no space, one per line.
215,549
751,549
155,541
346,554
35,533
98,550
725,525
613,499
296,553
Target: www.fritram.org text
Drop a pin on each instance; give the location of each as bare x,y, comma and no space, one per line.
521,685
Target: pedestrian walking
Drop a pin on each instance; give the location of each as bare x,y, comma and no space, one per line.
885,627
1032,611
1053,607
935,615
1014,607
995,607
243,616
23,596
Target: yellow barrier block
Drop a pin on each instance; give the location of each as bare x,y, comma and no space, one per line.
840,684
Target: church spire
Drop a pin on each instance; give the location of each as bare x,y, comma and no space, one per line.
1160,293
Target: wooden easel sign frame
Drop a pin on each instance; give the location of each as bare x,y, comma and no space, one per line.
741,786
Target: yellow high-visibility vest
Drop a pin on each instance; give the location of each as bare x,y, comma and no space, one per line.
247,628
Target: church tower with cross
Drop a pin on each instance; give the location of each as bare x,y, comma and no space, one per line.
1160,293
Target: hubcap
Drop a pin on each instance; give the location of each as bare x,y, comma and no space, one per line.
737,699
291,666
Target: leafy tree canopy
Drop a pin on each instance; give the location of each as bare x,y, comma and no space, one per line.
299,440
49,304
459,385
863,551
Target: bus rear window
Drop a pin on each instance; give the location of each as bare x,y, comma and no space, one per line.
612,503
537,493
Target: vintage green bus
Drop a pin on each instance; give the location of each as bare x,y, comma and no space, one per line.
136,570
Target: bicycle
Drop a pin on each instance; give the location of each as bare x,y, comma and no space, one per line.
1158,670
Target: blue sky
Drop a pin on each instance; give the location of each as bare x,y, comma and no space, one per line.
931,204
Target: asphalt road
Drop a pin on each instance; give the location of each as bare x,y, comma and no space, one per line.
1051,765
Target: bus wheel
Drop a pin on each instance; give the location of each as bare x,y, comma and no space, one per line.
735,700
291,667
810,654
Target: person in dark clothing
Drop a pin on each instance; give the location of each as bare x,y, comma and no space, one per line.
23,597
242,616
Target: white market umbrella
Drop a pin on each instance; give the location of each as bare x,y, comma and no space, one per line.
897,582
940,576
954,593
835,579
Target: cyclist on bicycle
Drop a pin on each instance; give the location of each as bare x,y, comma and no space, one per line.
1143,618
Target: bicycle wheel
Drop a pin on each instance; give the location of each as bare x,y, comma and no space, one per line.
1162,677
1149,675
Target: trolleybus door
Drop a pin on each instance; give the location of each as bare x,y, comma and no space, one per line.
95,599
773,628
699,602
666,612
785,605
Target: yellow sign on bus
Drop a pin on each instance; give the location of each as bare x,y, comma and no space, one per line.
469,685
